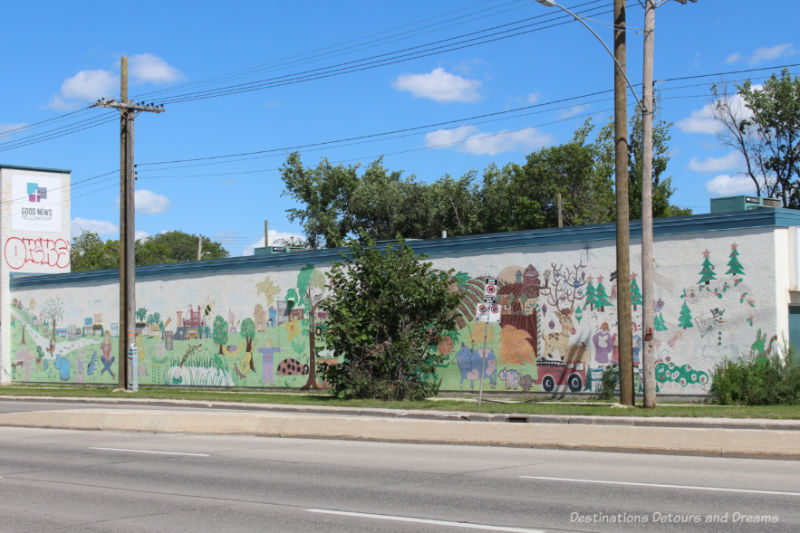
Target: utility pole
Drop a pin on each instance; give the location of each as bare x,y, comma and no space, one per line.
199,247
623,212
127,264
648,265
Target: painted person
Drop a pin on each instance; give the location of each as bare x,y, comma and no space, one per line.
603,344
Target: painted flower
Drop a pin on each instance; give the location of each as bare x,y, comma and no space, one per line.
293,328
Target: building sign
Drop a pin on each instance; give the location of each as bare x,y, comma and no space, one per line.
36,203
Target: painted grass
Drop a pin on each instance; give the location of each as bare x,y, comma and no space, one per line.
489,405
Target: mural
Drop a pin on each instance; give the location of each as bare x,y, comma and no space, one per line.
557,331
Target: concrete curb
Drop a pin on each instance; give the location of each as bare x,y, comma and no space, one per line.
632,421
724,442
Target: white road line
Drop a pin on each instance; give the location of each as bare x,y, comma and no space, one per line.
152,452
425,521
664,486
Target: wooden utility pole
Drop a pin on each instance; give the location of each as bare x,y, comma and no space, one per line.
624,329
648,265
199,247
127,263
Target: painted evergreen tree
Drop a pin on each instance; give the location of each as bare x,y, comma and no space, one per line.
734,266
600,295
707,273
659,324
590,294
636,293
685,320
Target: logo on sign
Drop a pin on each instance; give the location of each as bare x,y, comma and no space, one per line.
35,193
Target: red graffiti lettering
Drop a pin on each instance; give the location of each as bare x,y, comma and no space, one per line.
20,251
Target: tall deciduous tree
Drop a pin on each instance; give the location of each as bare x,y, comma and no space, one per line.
662,184
90,252
763,125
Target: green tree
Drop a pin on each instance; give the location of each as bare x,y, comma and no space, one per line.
175,247
636,293
324,194
707,273
309,292
734,266
90,252
248,331
662,184
766,133
386,309
685,318
220,333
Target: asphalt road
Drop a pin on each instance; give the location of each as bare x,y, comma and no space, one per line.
71,481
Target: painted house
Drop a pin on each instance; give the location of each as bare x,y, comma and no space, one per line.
726,284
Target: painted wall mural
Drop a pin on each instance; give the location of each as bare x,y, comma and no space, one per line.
557,330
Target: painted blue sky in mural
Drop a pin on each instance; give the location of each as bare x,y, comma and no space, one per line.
436,87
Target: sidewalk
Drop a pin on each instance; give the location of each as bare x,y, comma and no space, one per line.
754,438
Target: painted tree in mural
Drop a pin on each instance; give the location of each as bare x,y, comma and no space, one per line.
590,295
269,289
220,332
53,311
734,266
601,299
685,319
308,294
248,331
659,324
707,273
636,293
141,314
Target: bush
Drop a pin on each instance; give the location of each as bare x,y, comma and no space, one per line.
385,312
609,382
757,380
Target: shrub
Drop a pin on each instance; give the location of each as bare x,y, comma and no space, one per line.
757,380
386,311
609,382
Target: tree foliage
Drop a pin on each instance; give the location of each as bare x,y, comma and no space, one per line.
337,203
90,252
766,132
385,309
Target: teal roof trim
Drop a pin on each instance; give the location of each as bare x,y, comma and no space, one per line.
753,219
35,169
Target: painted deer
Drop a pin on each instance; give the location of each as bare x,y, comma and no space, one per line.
563,287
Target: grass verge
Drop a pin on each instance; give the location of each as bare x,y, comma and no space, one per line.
528,407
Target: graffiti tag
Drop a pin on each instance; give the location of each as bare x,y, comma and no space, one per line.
47,252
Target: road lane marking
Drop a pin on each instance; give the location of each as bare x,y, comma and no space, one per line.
664,486
152,452
425,521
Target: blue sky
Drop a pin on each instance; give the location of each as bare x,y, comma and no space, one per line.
246,82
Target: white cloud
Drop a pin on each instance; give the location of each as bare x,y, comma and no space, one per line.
447,138
716,164
6,129
769,54
85,86
141,235
762,54
733,58
533,98
101,227
725,185
274,237
439,85
573,111
91,85
703,121
468,139
149,203
147,68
